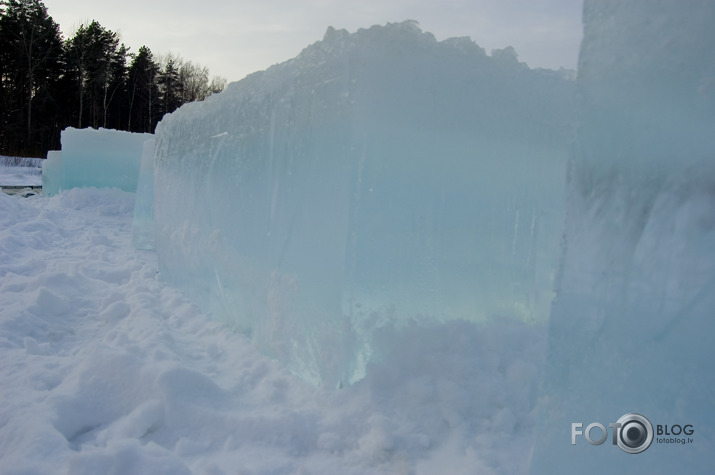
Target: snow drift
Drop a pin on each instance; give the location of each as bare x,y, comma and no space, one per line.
106,369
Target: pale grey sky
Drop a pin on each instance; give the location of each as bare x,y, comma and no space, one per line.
236,38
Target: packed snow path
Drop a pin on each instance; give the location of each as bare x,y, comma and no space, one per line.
105,369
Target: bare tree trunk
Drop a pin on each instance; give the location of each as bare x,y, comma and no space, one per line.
131,106
150,119
30,83
29,109
104,107
81,97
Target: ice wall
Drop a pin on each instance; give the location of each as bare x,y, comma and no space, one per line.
631,330
143,224
52,173
100,158
378,177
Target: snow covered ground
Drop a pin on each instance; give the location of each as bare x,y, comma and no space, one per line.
105,369
16,171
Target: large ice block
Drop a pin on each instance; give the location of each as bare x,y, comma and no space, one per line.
52,173
379,177
101,158
631,329
143,223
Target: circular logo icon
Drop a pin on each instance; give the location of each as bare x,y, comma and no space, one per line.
635,433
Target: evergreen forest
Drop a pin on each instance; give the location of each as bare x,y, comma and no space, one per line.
91,79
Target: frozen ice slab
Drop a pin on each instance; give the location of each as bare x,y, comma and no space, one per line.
378,178
52,173
143,224
101,158
632,324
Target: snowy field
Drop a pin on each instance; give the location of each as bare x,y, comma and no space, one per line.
16,171
105,369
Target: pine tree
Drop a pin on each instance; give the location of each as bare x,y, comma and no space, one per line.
143,92
170,85
47,84
30,48
94,59
118,98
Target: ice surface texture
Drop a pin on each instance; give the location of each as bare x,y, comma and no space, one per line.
377,177
100,158
52,173
143,225
632,323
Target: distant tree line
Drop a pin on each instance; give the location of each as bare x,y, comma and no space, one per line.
48,83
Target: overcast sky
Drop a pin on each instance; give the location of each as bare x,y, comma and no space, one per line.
234,38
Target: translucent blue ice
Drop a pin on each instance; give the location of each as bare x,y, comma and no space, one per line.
100,158
632,325
52,174
378,178
143,223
